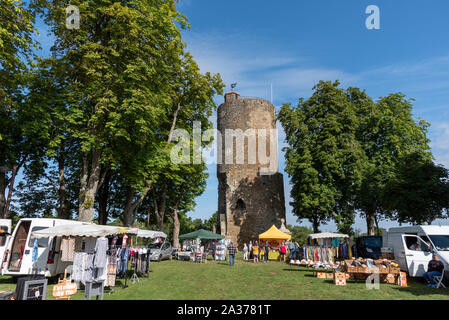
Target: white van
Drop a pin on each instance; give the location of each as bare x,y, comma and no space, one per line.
413,247
18,261
5,227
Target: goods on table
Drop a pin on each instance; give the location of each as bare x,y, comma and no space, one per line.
360,265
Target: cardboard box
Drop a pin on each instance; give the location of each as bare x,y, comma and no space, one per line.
340,278
329,275
402,279
321,275
388,278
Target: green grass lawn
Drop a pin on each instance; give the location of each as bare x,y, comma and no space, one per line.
271,281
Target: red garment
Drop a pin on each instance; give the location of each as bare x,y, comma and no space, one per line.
283,249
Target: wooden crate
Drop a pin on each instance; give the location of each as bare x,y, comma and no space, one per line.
340,278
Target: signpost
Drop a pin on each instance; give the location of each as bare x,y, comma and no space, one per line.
64,289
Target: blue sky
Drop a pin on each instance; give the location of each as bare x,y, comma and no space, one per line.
292,44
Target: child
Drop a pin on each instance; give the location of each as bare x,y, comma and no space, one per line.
245,252
256,252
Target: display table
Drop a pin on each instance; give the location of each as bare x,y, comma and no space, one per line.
184,255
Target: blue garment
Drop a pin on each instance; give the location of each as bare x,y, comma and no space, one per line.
335,242
124,260
231,259
35,250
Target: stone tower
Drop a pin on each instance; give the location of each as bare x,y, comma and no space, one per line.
250,193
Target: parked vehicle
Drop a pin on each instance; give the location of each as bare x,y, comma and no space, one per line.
5,234
18,260
369,246
161,251
413,247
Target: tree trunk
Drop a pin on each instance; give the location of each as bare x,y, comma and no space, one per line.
370,223
376,220
161,212
315,224
2,192
131,208
62,212
15,168
103,198
128,219
176,226
91,181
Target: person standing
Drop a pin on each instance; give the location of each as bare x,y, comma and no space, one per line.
232,251
435,268
213,248
245,252
291,251
250,249
283,250
297,251
267,250
256,252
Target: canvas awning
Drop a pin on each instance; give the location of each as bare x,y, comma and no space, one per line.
201,234
274,234
150,234
327,235
82,230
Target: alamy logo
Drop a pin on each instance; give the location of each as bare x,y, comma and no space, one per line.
373,20
73,17
228,148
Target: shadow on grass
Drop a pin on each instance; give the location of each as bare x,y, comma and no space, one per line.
418,288
6,280
296,270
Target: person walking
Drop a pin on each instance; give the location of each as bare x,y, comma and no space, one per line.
245,252
232,251
283,250
256,252
267,251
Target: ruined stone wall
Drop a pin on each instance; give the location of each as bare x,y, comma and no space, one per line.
248,203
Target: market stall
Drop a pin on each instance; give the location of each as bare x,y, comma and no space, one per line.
192,243
274,237
325,249
99,253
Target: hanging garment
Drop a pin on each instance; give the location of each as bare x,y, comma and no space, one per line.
35,250
90,243
67,248
101,247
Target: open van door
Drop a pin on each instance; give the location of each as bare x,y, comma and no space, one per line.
418,253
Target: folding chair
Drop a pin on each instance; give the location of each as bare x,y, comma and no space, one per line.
439,280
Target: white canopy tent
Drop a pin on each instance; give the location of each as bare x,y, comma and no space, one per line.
327,235
150,234
82,230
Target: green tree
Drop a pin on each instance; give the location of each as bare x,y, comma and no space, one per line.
419,193
16,52
117,65
300,234
387,133
324,158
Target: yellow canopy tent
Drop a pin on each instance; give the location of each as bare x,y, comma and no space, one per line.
274,237
274,234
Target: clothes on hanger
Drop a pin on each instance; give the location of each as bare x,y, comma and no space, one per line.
67,248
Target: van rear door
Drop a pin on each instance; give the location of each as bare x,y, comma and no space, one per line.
417,254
